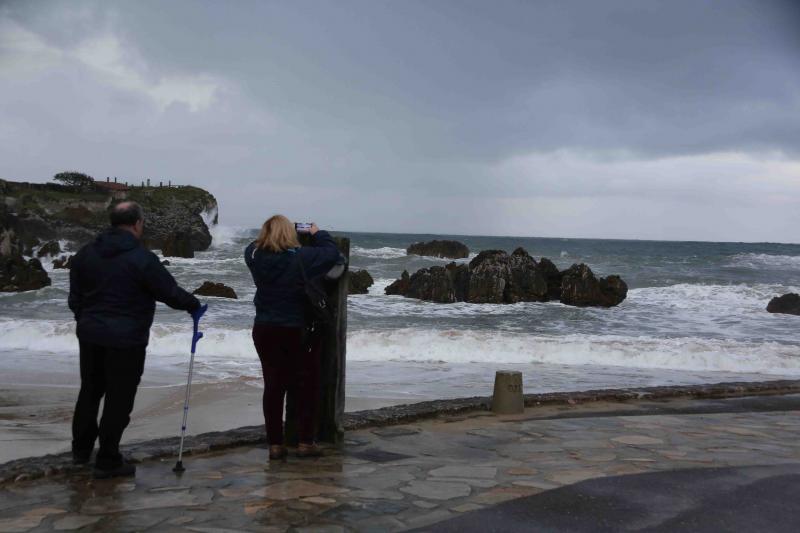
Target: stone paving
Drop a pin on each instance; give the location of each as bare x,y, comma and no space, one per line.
411,476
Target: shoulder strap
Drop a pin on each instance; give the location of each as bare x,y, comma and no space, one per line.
302,269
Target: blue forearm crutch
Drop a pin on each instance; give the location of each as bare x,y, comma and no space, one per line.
196,336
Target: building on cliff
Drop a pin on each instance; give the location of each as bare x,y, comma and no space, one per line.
118,191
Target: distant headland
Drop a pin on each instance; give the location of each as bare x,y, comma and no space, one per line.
38,219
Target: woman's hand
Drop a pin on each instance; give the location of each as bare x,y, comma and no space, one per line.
314,228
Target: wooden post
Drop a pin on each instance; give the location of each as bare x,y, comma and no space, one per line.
330,409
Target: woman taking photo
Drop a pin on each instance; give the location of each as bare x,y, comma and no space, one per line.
289,356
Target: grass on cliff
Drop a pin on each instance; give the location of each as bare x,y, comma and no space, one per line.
165,196
33,195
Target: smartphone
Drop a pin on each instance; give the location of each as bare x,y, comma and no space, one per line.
302,227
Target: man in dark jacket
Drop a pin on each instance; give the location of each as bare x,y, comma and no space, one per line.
114,285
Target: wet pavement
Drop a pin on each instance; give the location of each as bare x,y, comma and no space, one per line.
668,463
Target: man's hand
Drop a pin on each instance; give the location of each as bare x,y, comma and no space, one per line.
198,313
314,228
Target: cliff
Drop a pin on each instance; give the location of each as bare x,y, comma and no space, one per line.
43,212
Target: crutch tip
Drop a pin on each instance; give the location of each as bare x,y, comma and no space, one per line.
179,469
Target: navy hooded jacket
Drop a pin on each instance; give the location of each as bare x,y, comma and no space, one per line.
114,285
280,298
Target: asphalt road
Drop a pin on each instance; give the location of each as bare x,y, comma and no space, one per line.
747,499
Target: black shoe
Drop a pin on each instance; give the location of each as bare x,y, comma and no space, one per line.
81,458
122,470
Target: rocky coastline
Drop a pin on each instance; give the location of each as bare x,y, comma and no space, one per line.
36,216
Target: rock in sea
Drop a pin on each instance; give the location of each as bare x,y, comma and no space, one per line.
399,286
178,244
439,284
360,282
51,248
494,276
16,273
219,290
446,249
788,304
580,287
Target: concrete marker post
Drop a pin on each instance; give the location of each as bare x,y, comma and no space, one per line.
507,398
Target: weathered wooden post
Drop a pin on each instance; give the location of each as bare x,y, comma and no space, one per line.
332,369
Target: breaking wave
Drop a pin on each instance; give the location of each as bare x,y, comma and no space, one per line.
758,261
386,252
232,349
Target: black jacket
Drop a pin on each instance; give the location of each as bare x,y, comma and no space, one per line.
280,299
113,286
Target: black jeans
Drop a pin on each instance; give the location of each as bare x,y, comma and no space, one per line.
290,365
115,374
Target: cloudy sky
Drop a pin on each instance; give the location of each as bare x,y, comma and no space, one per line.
618,119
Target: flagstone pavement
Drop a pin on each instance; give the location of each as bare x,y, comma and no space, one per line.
416,475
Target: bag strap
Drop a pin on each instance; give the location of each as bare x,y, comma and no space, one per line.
302,269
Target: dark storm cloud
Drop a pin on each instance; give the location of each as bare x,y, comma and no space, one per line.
482,79
407,101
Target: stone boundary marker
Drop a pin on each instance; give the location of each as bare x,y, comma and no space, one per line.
507,398
49,465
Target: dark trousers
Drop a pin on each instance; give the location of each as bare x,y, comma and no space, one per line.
290,364
115,374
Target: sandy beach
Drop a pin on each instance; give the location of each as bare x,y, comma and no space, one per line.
35,420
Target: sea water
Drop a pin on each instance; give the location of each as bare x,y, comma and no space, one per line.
695,312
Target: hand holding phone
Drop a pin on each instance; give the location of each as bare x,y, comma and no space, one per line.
304,227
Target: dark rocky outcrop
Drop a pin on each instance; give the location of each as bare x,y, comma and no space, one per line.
220,290
440,284
63,262
552,276
446,249
526,282
788,304
399,286
50,248
360,282
28,245
165,263
18,274
494,276
580,287
39,212
489,274
178,244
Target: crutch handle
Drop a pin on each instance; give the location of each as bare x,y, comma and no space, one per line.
196,333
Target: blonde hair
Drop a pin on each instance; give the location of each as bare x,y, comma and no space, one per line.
277,235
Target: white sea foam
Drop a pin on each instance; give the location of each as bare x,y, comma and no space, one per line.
230,351
47,260
226,235
378,288
687,354
712,300
385,252
760,261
